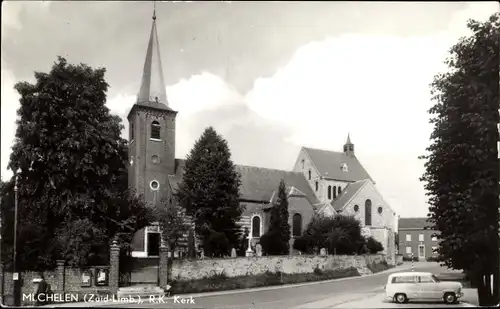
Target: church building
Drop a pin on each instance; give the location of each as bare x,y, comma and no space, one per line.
321,181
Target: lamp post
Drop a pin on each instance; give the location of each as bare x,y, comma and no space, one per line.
17,299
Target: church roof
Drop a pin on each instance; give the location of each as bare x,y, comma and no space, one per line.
347,194
153,89
260,184
329,165
413,223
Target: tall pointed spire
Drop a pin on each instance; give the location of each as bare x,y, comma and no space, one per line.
349,146
153,83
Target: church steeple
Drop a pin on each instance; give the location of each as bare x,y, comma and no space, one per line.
349,146
153,84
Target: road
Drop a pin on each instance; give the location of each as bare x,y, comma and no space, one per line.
346,292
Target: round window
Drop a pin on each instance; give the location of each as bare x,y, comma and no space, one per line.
380,210
154,185
155,159
356,208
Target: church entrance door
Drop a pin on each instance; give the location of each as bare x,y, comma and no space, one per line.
153,244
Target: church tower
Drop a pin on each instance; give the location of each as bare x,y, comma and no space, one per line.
151,129
349,147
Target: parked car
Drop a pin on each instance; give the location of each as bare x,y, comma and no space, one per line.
404,286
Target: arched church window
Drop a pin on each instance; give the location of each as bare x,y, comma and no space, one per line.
317,186
256,226
155,130
303,161
309,174
329,192
340,190
334,191
297,225
368,212
132,131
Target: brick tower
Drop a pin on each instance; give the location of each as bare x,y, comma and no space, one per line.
151,142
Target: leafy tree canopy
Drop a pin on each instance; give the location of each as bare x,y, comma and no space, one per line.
461,169
209,192
72,183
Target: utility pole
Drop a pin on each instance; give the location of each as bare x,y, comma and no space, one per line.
16,278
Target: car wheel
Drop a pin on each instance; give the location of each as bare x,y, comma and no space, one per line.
400,298
450,298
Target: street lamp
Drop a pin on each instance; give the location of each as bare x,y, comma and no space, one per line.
17,299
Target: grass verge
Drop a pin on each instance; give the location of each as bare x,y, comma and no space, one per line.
221,282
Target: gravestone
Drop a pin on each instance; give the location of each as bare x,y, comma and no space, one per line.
233,253
322,252
202,254
258,249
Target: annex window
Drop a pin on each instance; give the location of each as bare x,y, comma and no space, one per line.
297,225
334,191
408,237
408,250
340,190
329,192
421,237
303,161
317,186
309,174
368,212
155,130
256,226
434,238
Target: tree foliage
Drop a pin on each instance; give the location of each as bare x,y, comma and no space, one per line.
461,169
173,224
373,245
340,234
209,192
73,196
276,241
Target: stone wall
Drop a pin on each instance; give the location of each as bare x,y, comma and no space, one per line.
241,266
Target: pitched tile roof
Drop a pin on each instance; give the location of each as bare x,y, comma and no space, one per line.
413,223
347,194
258,184
329,165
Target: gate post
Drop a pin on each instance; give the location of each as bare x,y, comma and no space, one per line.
163,267
114,267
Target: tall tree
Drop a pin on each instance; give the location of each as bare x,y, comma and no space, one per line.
209,192
73,196
461,169
276,241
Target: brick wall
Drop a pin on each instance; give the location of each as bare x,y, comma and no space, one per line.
70,284
240,266
415,242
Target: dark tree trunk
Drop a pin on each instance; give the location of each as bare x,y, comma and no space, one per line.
484,291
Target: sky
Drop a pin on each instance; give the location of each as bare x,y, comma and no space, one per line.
270,77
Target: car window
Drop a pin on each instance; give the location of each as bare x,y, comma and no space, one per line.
404,279
426,279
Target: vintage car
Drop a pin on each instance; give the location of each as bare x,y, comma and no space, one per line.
404,286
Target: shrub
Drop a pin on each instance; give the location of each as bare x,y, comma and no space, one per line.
407,258
375,267
432,259
300,243
373,245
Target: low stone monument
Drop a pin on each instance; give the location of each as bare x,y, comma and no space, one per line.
322,252
202,254
233,253
258,250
